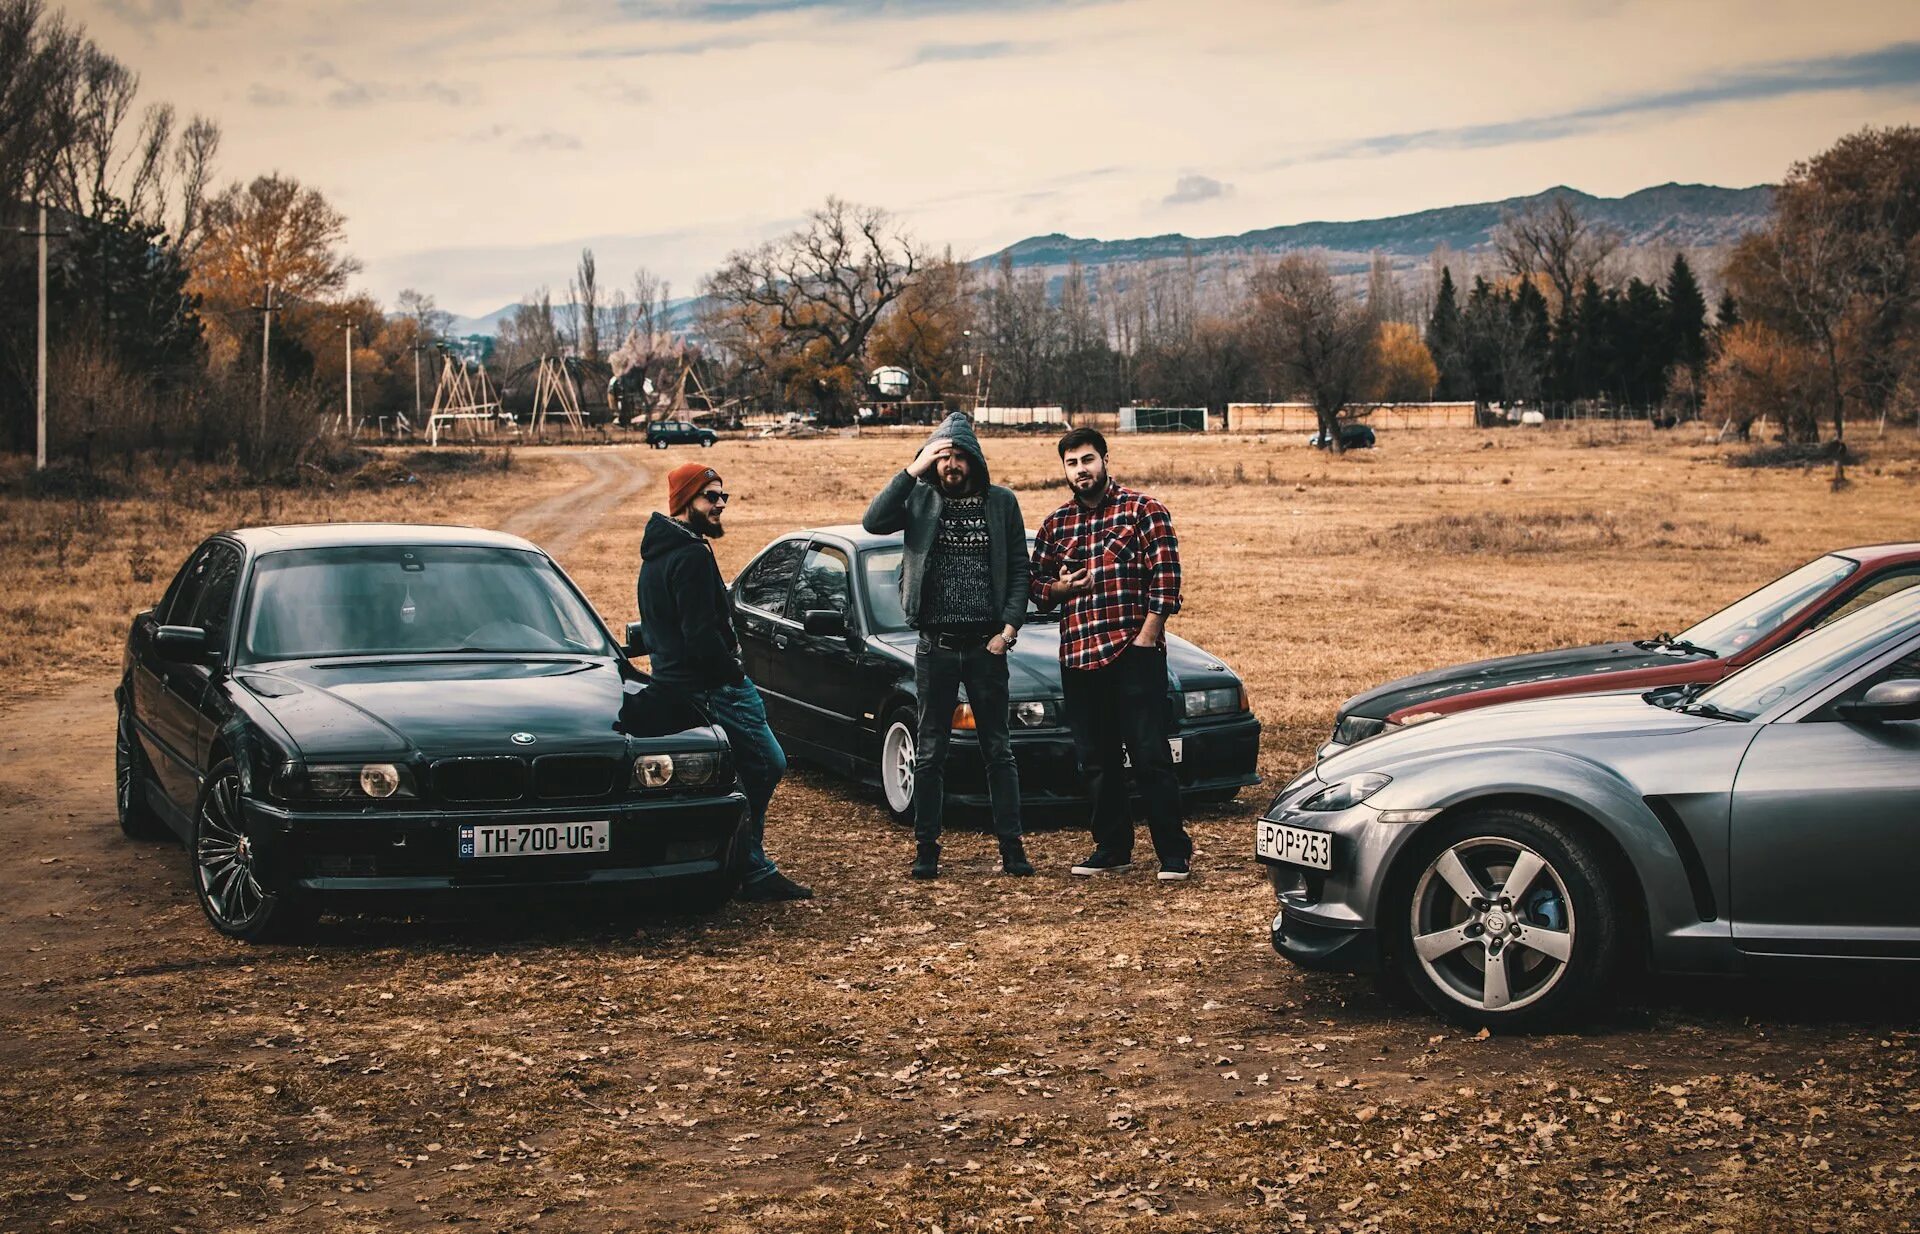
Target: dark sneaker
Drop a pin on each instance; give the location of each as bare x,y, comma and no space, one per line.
1013,860
1176,870
1103,862
775,886
926,862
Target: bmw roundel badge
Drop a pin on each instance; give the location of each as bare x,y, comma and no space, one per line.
523,739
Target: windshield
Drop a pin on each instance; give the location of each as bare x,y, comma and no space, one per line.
409,599
880,574
1747,621
1813,657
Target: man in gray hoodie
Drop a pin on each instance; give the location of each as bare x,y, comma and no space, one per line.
963,585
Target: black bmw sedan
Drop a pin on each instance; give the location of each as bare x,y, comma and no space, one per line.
824,638
335,709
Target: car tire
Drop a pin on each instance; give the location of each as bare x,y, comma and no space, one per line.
138,819
1510,962
707,444
659,445
897,746
238,902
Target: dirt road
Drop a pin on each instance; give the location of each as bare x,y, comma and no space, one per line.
973,1053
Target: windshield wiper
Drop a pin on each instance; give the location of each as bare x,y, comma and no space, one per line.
1664,640
1710,712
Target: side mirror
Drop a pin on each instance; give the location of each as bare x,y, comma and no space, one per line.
181,644
1890,700
636,644
825,622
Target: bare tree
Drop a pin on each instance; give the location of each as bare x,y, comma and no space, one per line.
584,292
1553,238
193,171
1320,342
650,297
821,289
430,320
40,60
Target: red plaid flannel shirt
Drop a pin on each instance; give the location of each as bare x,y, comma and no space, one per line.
1135,556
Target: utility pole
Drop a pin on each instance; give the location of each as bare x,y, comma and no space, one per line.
41,233
348,422
266,338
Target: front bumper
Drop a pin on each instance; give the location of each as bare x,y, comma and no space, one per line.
1333,919
417,851
1324,948
1215,758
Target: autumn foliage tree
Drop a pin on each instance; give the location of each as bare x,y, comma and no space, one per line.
272,232
1320,341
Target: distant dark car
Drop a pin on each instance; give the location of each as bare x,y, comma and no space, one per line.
824,638
1352,437
335,710
664,433
1824,589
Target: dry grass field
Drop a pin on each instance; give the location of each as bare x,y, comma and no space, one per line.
972,1054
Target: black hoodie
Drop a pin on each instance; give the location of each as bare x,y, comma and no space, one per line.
686,618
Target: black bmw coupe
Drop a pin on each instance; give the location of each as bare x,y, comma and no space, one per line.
335,709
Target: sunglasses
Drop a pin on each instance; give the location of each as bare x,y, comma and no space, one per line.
715,497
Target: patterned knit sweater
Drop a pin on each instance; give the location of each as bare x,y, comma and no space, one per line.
959,579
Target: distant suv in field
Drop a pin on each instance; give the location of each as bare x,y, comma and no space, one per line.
664,433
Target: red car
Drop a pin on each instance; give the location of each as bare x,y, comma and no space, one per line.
1732,638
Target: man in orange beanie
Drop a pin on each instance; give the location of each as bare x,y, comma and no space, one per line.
691,646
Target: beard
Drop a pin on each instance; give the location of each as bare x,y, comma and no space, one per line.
956,484
704,526
1090,485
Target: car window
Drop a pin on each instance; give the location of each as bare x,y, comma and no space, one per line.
1752,618
214,611
1807,661
399,598
825,584
765,583
1890,583
880,575
184,595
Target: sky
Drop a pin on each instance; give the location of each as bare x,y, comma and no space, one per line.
476,147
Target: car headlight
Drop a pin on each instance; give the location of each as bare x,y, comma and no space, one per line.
1219,701
1347,793
653,770
1351,729
1037,713
343,782
694,770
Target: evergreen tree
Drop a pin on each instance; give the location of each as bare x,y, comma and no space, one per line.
1727,316
1641,340
1445,340
1686,319
1593,342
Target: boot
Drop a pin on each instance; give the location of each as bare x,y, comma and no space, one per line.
1013,858
926,864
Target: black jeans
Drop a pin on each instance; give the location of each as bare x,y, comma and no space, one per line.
938,673
1124,704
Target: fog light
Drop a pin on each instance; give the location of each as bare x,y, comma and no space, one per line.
379,779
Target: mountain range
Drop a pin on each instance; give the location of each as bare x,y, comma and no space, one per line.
1666,216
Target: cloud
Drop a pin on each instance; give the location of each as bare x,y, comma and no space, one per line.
547,139
1190,189
643,51
1896,66
747,10
147,14
999,49
262,95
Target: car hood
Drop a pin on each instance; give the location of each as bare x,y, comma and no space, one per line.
466,706
1033,666
1382,701
1587,725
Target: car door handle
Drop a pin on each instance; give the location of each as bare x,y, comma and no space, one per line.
780,641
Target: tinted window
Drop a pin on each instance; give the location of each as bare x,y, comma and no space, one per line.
410,598
214,612
824,584
184,596
1766,610
1879,589
1812,658
764,585
880,569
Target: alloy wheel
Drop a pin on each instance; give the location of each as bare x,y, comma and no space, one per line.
1493,924
224,857
896,767
122,769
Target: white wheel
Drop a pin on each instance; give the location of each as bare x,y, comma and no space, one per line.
896,767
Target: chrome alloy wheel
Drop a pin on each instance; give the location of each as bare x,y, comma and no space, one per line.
1493,924
123,768
896,767
224,858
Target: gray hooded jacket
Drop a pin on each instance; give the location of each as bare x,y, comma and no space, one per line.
914,505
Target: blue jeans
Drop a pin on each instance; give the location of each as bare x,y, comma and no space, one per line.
758,759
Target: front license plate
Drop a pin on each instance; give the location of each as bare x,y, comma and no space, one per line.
1176,746
532,839
1293,845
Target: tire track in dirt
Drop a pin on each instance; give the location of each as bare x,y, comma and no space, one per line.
557,523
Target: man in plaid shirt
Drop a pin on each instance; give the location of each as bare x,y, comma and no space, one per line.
1109,559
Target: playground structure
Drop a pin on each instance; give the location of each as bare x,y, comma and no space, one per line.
463,400
557,389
